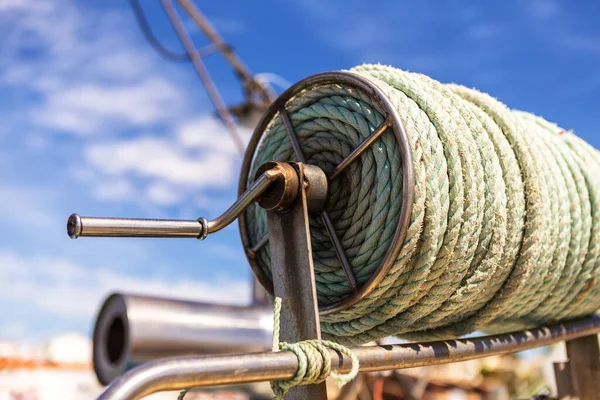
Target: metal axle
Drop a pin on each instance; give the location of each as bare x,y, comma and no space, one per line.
202,371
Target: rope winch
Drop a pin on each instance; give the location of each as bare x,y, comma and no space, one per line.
501,228
398,205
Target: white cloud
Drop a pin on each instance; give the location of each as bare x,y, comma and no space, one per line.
484,31
11,5
89,107
565,32
209,134
543,10
86,75
117,190
22,209
14,329
581,43
70,289
162,194
155,157
201,155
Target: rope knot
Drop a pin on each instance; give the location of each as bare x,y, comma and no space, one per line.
314,360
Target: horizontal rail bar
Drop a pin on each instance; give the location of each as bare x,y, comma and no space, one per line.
202,371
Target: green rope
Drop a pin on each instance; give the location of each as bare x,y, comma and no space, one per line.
505,225
314,361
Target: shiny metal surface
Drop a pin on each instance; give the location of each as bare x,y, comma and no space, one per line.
282,195
259,186
294,279
78,226
132,329
180,373
393,122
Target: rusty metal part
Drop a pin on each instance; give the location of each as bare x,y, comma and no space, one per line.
392,122
294,278
283,194
160,228
579,377
131,329
202,371
316,187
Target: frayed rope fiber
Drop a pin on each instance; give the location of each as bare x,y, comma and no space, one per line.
314,361
505,228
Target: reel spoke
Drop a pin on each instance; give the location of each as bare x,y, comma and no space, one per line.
285,118
360,149
339,250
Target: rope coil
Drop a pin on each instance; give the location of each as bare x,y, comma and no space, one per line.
504,232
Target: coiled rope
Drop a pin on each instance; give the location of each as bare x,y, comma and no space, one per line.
504,232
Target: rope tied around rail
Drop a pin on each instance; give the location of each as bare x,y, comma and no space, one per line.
314,361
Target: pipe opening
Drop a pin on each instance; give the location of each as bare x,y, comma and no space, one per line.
115,343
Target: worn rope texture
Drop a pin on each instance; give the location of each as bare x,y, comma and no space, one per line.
314,361
505,228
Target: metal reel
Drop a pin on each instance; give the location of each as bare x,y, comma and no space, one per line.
392,122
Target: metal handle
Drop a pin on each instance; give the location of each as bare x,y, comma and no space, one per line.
166,228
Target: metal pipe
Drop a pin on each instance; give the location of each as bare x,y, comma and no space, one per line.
165,228
203,73
132,329
251,85
202,371
132,227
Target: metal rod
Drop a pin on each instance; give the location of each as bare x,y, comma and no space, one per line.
359,150
164,228
202,71
256,190
285,117
339,251
203,371
240,69
132,227
260,244
294,280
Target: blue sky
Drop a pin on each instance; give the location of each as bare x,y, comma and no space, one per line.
94,122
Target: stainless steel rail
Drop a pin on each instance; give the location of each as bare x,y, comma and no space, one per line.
203,371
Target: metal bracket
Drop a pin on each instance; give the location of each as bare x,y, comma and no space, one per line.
294,278
579,378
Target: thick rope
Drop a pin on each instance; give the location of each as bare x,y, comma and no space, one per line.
505,224
314,361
